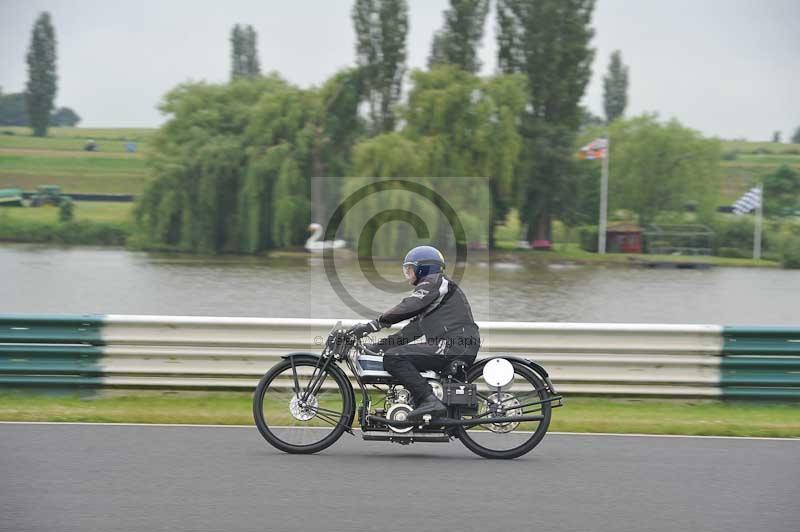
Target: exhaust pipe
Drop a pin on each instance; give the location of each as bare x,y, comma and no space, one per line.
450,422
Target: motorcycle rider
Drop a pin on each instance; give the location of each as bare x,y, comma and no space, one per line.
439,310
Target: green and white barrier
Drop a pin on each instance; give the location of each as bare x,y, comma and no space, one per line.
761,362
181,352
42,350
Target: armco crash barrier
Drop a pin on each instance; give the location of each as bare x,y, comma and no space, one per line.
761,362
177,352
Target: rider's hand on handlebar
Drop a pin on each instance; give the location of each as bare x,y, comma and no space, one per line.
360,330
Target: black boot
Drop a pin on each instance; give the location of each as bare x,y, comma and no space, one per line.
429,405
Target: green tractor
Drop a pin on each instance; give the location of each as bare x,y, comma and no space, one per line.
48,195
10,197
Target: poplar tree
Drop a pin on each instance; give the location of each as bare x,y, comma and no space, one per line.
509,46
381,27
41,87
237,46
458,41
615,88
244,52
547,40
252,67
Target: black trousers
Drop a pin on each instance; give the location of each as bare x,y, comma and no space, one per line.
406,361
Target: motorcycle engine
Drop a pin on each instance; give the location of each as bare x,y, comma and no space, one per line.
399,405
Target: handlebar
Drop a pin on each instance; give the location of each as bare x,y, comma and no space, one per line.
356,341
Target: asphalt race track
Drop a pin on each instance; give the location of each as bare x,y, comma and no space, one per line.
139,478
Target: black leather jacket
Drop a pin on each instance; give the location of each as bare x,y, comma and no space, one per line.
438,309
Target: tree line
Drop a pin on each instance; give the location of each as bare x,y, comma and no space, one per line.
14,112
233,164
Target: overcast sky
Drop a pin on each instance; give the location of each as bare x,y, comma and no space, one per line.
729,68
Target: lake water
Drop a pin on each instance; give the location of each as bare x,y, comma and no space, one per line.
37,279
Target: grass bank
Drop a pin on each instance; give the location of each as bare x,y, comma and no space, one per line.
109,139
747,147
27,161
646,416
37,162
100,211
572,252
93,173
103,224
59,159
109,223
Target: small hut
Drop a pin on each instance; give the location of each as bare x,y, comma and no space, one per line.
624,238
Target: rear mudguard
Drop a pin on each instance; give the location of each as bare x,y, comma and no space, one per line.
536,368
333,368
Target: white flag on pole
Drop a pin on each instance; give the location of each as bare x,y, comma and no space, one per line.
747,203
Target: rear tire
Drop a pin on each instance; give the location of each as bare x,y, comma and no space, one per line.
534,382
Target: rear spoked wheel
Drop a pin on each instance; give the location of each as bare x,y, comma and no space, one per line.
298,408
523,396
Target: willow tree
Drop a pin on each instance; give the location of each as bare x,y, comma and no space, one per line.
468,128
661,166
457,126
391,155
198,162
233,163
335,128
278,124
295,135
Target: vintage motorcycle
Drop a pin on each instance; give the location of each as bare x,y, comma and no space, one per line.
498,407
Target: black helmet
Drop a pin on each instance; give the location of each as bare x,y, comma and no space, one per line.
425,260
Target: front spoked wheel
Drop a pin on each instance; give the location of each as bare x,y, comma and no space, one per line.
299,408
525,395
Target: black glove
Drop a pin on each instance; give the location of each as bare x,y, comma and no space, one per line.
360,330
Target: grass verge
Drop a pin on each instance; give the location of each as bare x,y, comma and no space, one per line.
645,416
99,211
35,162
59,159
92,132
86,184
81,231
570,251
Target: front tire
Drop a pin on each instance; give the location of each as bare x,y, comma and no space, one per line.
500,441
299,424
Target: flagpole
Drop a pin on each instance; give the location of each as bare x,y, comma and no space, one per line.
759,223
601,230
